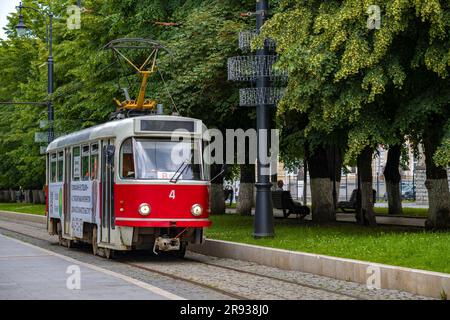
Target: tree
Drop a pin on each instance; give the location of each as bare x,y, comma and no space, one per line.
194,73
392,177
246,188
342,74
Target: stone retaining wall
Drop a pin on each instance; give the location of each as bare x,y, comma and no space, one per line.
421,190
29,196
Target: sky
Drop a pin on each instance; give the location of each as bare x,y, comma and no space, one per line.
6,7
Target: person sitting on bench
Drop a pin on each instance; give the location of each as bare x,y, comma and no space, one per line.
280,185
350,205
283,200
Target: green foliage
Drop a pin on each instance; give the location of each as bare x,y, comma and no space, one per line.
377,85
86,81
348,85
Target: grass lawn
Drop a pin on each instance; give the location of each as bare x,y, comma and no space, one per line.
400,246
233,205
38,209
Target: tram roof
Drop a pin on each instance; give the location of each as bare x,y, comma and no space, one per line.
108,130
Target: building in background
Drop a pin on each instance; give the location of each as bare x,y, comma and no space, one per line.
413,176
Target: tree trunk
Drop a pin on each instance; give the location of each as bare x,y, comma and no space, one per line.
12,195
273,181
216,196
335,161
365,211
321,187
246,186
35,195
6,196
393,177
27,196
437,185
41,197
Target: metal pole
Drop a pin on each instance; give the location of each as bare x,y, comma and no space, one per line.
305,182
378,177
263,224
334,178
23,103
51,134
346,186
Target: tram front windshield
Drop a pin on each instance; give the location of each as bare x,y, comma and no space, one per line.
165,159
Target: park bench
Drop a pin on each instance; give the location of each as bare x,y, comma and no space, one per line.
350,206
283,200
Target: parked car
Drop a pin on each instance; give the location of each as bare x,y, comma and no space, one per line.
408,192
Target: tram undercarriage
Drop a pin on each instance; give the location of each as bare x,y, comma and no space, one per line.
156,240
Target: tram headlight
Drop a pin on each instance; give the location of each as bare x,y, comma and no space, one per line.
145,209
196,210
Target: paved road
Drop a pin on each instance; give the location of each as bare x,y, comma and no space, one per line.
197,277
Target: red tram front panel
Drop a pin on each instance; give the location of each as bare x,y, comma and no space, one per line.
170,205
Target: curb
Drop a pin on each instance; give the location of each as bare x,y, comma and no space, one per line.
24,216
420,282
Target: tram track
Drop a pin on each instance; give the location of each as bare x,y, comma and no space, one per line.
273,278
228,293
236,270
175,277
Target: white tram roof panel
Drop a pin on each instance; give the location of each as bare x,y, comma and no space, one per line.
125,127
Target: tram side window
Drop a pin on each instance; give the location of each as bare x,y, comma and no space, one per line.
60,166
94,161
76,161
53,161
85,163
127,160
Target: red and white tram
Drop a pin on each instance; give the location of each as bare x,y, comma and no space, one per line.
118,186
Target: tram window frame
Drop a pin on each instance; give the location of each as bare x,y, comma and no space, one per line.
195,143
206,165
76,152
53,168
94,174
60,167
85,153
122,176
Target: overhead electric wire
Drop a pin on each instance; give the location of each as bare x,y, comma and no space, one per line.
168,92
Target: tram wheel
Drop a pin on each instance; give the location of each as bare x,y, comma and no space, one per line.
180,253
63,242
94,241
109,253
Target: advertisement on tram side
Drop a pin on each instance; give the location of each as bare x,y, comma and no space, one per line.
84,205
55,200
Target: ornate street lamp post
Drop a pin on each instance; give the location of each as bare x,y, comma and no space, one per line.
263,224
21,29
264,93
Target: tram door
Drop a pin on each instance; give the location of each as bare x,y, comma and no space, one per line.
66,191
107,181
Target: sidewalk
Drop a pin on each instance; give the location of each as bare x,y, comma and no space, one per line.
31,273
